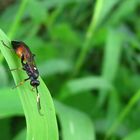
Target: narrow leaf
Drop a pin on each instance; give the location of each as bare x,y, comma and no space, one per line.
75,124
38,127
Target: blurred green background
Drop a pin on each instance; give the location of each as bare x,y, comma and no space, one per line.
87,52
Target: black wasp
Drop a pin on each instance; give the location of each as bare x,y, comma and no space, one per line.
28,65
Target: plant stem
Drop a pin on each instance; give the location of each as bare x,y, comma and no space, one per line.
124,113
17,19
89,35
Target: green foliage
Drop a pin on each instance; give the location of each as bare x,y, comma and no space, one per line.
133,136
87,53
49,130
73,123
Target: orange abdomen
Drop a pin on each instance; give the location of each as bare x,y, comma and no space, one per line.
20,51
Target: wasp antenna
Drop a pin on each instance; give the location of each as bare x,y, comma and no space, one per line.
38,102
21,83
16,69
5,45
36,90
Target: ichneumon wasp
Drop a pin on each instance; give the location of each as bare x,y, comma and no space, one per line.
28,65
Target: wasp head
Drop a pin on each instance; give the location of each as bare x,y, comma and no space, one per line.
16,44
35,83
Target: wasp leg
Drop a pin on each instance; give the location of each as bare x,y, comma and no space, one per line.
21,83
16,69
22,60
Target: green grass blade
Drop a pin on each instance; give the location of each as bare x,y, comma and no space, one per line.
38,127
112,57
17,20
100,12
75,124
133,136
10,104
88,83
123,114
21,135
